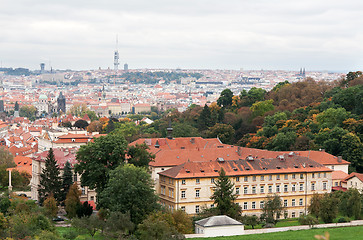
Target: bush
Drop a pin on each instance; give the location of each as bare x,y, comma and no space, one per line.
343,220
71,234
308,220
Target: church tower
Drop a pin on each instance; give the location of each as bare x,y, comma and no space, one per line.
61,100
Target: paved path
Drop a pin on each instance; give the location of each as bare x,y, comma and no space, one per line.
293,228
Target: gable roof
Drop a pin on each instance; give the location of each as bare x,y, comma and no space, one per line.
214,221
354,174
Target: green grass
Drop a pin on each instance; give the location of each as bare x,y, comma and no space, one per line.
62,230
355,233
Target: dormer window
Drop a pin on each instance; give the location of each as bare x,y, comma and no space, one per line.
73,140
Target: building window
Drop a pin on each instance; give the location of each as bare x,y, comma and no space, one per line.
262,204
286,187
212,180
293,214
75,178
319,175
301,202
313,175
285,203
92,198
301,176
197,209
270,189
293,202
336,184
262,178
301,187
253,205
237,190
277,177
83,191
246,179
270,177
197,181
183,194
253,189
254,178
182,208
293,188
277,188
212,206
245,206
262,189
293,176
312,186
183,181
286,176
245,190
324,185
197,193
237,179
325,175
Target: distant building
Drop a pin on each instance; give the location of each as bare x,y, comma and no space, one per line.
216,226
61,100
42,67
126,67
1,105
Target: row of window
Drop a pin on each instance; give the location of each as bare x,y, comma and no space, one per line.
254,189
262,177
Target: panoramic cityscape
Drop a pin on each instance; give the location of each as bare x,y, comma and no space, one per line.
173,120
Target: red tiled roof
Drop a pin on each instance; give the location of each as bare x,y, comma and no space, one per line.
23,164
339,175
61,156
322,157
295,164
354,174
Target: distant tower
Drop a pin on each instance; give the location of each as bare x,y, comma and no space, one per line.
126,67
61,100
42,67
303,73
116,56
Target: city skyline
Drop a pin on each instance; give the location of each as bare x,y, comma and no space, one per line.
275,35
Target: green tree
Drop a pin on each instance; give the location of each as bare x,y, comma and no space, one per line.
224,132
72,202
205,119
4,204
6,158
250,220
118,225
272,209
129,189
352,150
354,204
315,203
224,197
50,180
225,99
89,224
29,112
159,226
67,179
139,155
260,108
98,158
83,124
328,208
282,141
16,107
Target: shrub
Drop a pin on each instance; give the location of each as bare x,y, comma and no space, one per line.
308,220
343,220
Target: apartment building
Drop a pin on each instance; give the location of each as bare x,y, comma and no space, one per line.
295,178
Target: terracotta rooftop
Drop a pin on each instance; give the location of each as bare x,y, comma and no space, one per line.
61,155
339,175
354,174
248,166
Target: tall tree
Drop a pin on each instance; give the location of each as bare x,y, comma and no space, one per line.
328,208
225,99
67,179
129,189
224,197
314,207
204,120
272,209
139,156
16,107
50,179
354,204
73,201
98,158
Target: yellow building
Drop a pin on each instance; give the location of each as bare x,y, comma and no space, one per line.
294,178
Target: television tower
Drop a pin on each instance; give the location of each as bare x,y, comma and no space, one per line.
116,56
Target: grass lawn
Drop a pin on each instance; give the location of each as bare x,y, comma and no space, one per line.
355,233
62,230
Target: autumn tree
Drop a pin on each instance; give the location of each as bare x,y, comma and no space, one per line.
50,179
95,126
224,196
72,202
50,206
223,131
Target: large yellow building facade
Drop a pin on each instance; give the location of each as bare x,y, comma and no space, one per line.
295,179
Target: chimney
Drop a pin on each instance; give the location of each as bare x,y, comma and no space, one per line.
239,152
339,158
192,140
169,131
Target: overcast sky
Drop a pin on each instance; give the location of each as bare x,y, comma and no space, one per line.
208,34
